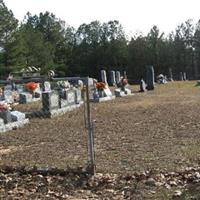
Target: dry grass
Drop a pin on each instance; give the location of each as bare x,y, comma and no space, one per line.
157,129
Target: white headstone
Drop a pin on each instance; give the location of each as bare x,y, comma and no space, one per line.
47,86
118,77
103,76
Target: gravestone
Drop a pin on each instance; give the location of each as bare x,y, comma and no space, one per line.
103,76
181,76
47,86
17,116
170,75
118,77
6,116
90,82
20,88
8,96
150,77
37,92
25,97
77,96
142,86
50,100
125,75
63,103
112,78
184,76
71,97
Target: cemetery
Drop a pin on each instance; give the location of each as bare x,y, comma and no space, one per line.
128,139
99,100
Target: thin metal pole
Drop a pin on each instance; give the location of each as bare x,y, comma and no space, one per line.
84,107
91,166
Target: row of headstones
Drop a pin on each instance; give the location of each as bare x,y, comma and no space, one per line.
115,77
54,99
50,98
24,96
182,75
20,94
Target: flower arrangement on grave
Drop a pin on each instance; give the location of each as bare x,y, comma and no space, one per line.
100,85
124,81
31,86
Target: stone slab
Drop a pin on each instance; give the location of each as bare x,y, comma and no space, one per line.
13,125
102,99
54,112
17,116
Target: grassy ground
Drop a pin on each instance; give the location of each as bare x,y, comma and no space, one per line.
154,130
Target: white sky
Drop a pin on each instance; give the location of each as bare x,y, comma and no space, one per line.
134,15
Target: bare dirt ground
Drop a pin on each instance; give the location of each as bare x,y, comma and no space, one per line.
157,130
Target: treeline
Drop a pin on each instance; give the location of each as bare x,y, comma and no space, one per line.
47,42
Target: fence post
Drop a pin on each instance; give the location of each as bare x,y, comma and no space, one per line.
91,156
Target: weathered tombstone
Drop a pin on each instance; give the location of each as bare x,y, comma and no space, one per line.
25,97
184,76
118,77
8,96
17,116
71,97
90,82
6,116
150,77
20,88
170,75
181,76
142,86
50,100
77,96
112,78
103,76
37,92
125,75
47,86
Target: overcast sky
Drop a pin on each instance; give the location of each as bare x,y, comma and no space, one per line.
134,15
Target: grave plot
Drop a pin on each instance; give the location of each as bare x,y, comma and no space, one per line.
101,90
56,98
30,92
122,89
102,93
10,119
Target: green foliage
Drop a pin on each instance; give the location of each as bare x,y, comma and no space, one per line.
47,42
